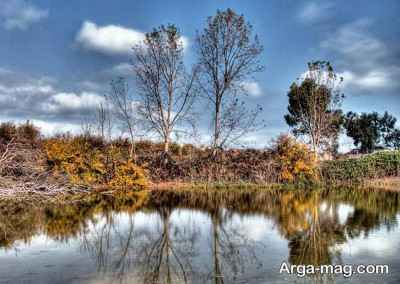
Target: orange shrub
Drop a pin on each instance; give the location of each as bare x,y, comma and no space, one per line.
295,162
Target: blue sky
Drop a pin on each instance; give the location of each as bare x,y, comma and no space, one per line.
57,57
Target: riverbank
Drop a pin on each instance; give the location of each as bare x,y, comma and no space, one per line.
66,165
388,184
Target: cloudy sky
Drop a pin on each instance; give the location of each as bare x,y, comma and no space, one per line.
58,57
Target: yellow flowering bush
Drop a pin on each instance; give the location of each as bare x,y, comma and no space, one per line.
295,162
93,165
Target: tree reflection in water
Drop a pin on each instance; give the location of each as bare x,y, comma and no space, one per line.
233,251
165,255
171,250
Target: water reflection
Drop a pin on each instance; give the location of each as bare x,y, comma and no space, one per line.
200,237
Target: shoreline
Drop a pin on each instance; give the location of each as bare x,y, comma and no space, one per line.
59,194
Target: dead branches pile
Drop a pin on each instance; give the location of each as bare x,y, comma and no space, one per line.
23,170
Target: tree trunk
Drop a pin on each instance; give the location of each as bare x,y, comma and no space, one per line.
166,144
216,127
132,150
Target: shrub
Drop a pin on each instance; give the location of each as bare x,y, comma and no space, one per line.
128,175
28,132
93,164
379,164
295,162
25,133
8,131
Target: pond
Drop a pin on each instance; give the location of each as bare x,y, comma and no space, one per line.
202,237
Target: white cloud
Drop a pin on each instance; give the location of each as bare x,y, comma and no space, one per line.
111,39
366,60
22,92
252,88
94,86
51,128
35,88
355,43
315,11
122,69
18,14
25,97
74,101
371,80
185,42
380,244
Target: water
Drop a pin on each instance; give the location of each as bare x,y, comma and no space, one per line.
201,237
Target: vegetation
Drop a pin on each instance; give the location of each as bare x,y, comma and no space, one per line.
97,174
296,163
228,55
376,165
370,129
65,163
314,107
23,163
88,161
166,91
393,139
122,102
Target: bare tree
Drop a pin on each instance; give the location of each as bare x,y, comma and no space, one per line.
87,125
228,56
103,121
166,90
314,106
124,106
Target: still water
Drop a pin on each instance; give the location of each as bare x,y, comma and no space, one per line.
187,237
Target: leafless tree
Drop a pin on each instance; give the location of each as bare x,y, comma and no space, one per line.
165,89
87,125
103,121
236,121
228,55
124,106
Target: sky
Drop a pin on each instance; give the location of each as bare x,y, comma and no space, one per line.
57,58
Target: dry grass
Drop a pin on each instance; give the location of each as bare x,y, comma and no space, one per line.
386,183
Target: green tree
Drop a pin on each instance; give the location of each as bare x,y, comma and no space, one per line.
368,130
393,139
314,106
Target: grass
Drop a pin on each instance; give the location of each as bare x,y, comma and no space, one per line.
228,186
